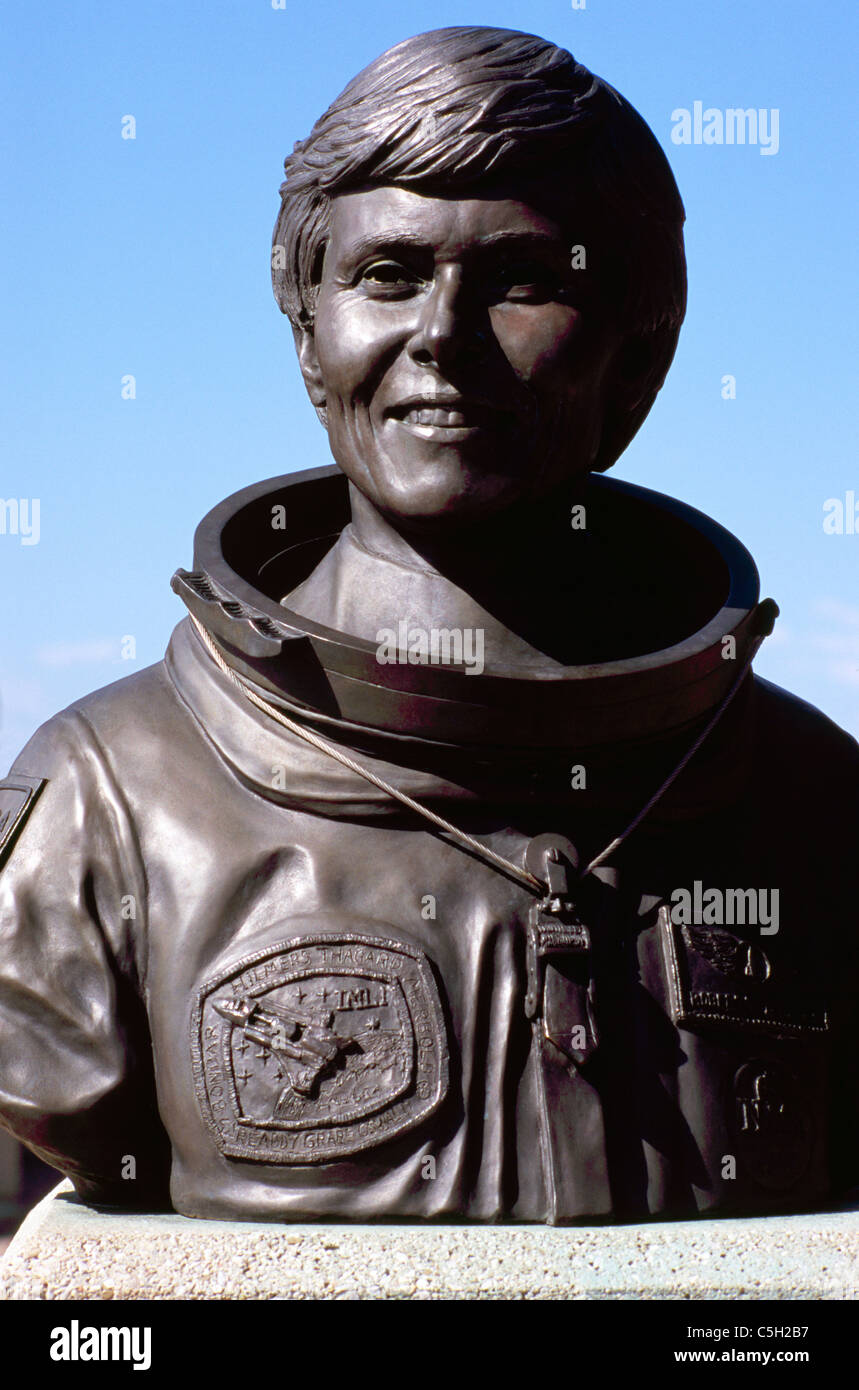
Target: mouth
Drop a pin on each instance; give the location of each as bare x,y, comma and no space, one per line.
448,418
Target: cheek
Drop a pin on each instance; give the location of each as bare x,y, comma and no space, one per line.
543,343
556,353
355,343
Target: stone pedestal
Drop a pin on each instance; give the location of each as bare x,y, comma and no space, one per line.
66,1250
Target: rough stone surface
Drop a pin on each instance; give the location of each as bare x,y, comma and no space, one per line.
66,1250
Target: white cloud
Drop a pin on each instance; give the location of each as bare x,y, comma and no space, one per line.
79,653
837,610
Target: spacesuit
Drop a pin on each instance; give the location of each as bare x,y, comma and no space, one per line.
230,958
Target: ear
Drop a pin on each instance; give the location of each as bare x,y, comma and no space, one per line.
308,361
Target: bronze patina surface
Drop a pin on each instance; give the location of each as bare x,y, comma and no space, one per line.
615,977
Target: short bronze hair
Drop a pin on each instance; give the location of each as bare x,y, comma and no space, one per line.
455,108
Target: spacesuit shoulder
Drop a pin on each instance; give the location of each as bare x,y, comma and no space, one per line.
73,904
806,754
114,712
786,713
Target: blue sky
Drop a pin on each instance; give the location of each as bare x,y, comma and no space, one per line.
150,256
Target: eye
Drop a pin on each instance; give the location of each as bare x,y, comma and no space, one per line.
527,282
388,277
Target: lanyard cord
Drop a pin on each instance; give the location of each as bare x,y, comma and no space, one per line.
506,866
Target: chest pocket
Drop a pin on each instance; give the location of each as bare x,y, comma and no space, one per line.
719,980
762,1016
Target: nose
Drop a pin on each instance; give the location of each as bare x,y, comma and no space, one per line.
447,332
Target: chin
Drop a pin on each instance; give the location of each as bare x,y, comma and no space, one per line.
441,503
447,487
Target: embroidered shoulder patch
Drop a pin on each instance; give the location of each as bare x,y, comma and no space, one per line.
318,1048
18,796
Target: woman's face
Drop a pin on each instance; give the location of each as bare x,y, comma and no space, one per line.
460,350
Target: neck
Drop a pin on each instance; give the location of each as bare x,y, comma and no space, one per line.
534,585
497,552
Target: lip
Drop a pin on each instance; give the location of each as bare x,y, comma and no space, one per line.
447,417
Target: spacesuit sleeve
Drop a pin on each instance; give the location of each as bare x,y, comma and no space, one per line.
76,1081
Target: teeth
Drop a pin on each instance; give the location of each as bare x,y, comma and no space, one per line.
439,416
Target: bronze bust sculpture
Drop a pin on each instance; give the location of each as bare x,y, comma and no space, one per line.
453,863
